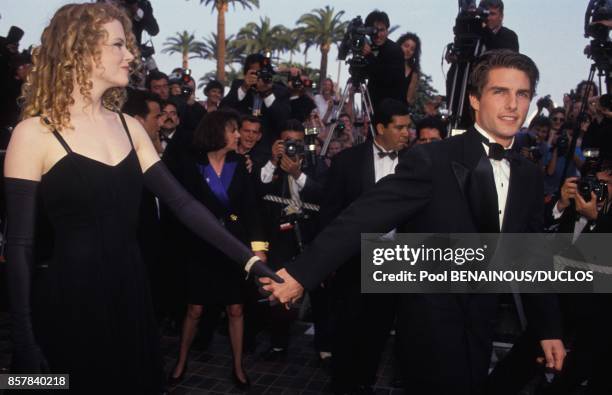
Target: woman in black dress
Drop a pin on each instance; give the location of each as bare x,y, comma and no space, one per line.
88,312
215,175
411,46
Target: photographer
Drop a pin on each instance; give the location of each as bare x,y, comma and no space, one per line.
430,129
498,36
385,58
13,70
214,94
141,15
555,160
300,101
190,111
533,144
157,82
283,176
258,95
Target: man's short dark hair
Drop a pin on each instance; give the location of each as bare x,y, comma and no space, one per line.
377,16
165,103
493,4
431,123
502,58
213,84
540,121
557,110
249,118
154,75
209,135
136,103
389,108
293,125
252,59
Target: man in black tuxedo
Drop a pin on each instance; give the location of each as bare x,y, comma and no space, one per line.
464,184
260,97
361,323
498,36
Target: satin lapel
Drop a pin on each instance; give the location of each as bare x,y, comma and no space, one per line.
368,179
480,186
516,202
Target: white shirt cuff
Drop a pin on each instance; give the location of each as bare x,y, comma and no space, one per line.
268,101
267,173
301,181
556,213
241,94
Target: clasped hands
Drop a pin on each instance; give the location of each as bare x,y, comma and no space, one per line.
290,291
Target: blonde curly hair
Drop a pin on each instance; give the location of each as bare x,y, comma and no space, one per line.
68,45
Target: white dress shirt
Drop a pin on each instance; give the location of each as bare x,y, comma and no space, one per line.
295,186
382,168
501,174
268,101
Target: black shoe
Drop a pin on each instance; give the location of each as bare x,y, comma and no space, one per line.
174,381
241,385
274,354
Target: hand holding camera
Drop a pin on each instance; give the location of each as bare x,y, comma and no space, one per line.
291,165
250,80
278,150
569,190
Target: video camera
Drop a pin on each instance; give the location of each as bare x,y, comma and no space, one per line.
352,44
600,47
469,27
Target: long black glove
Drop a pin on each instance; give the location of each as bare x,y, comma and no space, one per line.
200,220
21,217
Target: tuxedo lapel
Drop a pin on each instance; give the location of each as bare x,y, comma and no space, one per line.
516,202
479,184
368,175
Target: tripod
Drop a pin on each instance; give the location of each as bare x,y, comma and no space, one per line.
366,103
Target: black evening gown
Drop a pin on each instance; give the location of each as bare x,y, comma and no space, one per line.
92,311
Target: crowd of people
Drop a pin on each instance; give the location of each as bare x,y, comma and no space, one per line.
144,199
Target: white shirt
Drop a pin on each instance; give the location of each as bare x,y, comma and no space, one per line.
164,143
382,166
321,104
501,174
295,186
580,224
268,101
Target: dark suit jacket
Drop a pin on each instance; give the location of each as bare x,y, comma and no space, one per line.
442,187
504,39
385,73
273,119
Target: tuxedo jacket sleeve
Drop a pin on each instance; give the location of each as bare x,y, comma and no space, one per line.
231,100
390,203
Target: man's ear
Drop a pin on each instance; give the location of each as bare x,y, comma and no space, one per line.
380,129
259,136
475,103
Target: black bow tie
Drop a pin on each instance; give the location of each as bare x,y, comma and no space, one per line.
498,152
391,154
165,138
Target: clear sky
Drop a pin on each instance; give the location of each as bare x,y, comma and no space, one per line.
550,31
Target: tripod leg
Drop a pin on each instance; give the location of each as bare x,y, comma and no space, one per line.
335,115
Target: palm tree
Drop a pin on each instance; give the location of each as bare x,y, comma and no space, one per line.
325,28
208,49
183,43
291,41
261,38
221,7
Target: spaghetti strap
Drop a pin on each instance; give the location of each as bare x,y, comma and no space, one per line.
126,128
62,141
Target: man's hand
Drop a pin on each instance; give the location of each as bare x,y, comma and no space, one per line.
291,166
250,79
367,49
278,150
569,189
587,209
554,354
261,255
288,292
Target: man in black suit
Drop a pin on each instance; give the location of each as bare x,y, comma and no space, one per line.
464,184
498,36
361,323
260,97
385,58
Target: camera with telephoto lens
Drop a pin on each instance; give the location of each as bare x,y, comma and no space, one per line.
183,80
589,182
545,102
469,27
297,82
293,148
600,47
267,71
352,44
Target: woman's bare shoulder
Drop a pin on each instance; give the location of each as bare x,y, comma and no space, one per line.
26,150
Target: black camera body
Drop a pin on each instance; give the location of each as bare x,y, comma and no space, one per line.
293,148
266,73
562,144
297,82
589,184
